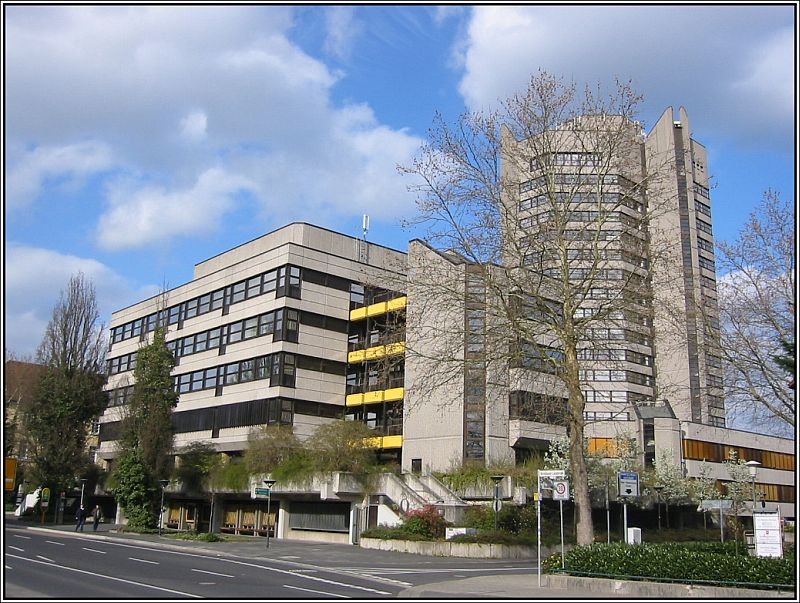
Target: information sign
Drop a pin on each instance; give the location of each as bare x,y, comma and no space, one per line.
768,536
262,492
628,483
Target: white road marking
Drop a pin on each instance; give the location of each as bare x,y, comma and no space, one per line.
20,536
206,583
143,560
45,558
54,542
317,592
16,548
96,575
93,550
214,573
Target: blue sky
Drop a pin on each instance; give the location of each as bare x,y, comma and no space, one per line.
140,140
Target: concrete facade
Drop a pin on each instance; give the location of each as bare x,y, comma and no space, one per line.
304,326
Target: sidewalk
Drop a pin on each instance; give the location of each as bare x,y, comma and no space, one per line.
507,586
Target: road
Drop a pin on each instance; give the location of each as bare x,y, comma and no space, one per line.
47,564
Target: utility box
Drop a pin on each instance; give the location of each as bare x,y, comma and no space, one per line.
634,535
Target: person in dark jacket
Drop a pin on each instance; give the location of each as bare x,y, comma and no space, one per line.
97,516
80,518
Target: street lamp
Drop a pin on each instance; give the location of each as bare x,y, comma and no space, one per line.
163,483
753,467
268,483
496,505
83,485
658,488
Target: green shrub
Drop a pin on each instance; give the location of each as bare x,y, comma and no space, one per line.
705,562
393,533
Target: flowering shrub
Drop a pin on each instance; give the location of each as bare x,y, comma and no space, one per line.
425,522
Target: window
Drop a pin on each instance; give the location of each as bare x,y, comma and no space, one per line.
232,373
254,286
238,292
251,328
217,299
234,332
191,308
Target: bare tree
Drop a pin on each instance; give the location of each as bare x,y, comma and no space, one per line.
537,266
74,338
757,311
69,393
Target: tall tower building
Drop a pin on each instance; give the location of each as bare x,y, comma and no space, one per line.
615,226
688,359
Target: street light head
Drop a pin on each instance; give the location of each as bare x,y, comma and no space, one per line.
269,483
658,487
163,482
497,478
753,467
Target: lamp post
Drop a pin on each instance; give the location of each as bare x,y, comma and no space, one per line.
658,488
163,483
753,468
496,504
83,485
268,483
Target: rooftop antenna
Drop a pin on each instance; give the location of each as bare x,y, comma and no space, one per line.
363,246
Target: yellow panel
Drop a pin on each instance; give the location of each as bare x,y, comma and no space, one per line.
396,348
395,393
376,352
397,303
356,356
373,442
354,400
370,397
358,313
376,309
395,441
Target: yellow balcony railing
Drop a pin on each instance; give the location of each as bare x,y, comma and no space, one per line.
376,352
383,395
379,308
393,441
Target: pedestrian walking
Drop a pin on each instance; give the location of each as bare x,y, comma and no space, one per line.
97,516
80,517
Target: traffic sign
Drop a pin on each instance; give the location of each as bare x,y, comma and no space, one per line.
262,491
555,473
628,482
561,490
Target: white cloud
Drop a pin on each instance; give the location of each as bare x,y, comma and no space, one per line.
29,170
151,79
341,29
139,216
726,64
34,280
194,125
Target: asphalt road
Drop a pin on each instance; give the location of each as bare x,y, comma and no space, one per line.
62,564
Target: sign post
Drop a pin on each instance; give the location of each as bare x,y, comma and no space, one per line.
628,482
45,501
546,477
561,493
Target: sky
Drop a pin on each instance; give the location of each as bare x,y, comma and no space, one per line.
140,140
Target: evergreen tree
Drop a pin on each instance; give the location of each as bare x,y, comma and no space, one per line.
147,433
